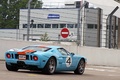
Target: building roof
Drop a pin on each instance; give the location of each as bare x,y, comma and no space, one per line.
117,1
107,5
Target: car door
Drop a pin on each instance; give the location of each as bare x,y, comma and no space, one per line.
66,59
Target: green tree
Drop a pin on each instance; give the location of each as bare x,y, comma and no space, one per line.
9,11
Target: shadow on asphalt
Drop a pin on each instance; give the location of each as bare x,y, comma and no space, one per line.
56,73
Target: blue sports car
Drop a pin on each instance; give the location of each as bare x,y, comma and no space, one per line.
48,59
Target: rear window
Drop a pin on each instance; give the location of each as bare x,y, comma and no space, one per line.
37,48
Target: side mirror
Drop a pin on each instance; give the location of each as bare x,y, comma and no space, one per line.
72,53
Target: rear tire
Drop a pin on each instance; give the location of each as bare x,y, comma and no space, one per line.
11,68
50,66
80,68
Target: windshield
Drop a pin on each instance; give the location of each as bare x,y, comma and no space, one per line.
37,48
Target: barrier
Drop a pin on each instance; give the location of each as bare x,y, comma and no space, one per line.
95,56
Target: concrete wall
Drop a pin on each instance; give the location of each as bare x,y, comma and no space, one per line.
18,34
95,56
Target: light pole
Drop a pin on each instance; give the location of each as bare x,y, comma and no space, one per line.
28,23
78,24
32,28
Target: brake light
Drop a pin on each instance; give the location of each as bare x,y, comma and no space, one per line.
8,55
35,58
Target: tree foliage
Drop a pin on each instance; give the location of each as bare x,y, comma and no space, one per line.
9,12
45,37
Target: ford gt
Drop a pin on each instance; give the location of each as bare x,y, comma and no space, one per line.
48,59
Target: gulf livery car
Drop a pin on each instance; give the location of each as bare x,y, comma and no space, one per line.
48,59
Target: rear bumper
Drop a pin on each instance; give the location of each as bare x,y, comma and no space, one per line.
22,65
25,64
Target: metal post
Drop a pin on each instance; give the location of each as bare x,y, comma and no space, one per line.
114,32
28,24
32,29
78,24
110,25
58,38
17,27
110,30
78,27
98,27
118,39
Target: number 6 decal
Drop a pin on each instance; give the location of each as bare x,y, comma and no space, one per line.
68,61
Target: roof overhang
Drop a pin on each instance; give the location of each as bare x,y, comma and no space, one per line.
117,1
107,5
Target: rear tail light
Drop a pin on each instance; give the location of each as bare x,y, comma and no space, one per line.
35,58
8,55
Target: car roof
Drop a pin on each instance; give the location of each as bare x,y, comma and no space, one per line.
47,46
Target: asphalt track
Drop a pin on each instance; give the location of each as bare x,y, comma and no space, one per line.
91,73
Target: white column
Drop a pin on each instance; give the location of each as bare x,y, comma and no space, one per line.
103,31
82,24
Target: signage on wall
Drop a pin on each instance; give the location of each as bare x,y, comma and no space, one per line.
53,16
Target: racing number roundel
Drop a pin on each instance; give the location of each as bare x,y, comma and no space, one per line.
68,61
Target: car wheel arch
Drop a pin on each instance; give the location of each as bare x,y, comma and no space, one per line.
45,69
77,70
52,57
82,59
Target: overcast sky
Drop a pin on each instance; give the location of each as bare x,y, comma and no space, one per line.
106,5
101,2
53,0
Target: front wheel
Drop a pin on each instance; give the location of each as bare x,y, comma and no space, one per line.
50,66
11,68
80,68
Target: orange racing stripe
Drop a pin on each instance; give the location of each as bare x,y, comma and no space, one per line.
42,47
24,52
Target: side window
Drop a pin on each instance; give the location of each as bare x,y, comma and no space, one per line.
63,51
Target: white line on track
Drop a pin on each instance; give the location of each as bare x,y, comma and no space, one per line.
102,70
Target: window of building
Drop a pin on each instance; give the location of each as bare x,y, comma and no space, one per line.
33,25
116,27
70,25
47,25
90,26
69,4
78,4
40,25
24,25
75,25
54,25
62,25
95,26
107,26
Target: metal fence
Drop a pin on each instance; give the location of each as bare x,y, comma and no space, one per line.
96,35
